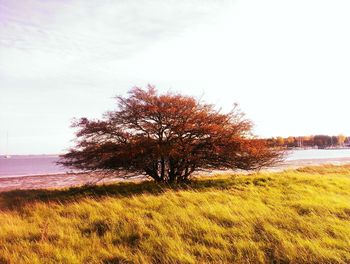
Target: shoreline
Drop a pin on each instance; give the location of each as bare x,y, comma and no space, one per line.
66,180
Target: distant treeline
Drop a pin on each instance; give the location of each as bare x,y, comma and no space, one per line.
318,141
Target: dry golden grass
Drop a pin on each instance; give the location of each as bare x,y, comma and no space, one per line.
299,216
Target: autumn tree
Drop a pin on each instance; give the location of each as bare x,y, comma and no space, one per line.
323,141
341,140
167,137
280,141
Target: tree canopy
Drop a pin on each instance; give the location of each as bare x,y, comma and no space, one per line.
167,137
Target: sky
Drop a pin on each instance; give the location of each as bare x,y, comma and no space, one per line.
286,63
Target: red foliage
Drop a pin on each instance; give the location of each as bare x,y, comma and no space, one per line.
168,137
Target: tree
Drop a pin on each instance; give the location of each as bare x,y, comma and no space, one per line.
280,141
323,141
341,140
291,142
167,137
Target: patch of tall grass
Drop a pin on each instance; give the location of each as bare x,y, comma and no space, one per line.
295,216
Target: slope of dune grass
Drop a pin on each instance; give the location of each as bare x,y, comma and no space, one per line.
299,216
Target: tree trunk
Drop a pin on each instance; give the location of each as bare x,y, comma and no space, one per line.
162,168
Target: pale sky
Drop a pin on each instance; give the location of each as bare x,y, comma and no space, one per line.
287,63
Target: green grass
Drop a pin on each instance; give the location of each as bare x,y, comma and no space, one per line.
299,216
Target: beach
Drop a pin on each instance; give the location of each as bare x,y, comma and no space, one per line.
64,180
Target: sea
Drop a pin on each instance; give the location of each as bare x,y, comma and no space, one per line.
29,165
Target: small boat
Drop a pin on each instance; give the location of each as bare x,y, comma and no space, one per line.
7,157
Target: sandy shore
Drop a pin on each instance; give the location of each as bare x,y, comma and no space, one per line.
59,181
78,179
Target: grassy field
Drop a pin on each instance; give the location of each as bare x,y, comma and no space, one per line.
299,216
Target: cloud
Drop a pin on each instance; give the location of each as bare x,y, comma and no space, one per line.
74,39
96,28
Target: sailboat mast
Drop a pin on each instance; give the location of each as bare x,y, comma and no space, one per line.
7,143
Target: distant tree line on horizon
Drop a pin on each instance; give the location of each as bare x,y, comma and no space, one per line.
317,141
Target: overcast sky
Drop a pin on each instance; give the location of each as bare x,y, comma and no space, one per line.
287,63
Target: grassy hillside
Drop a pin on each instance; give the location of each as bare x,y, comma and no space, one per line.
300,216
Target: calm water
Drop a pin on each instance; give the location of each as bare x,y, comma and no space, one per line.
38,165
319,154
29,165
